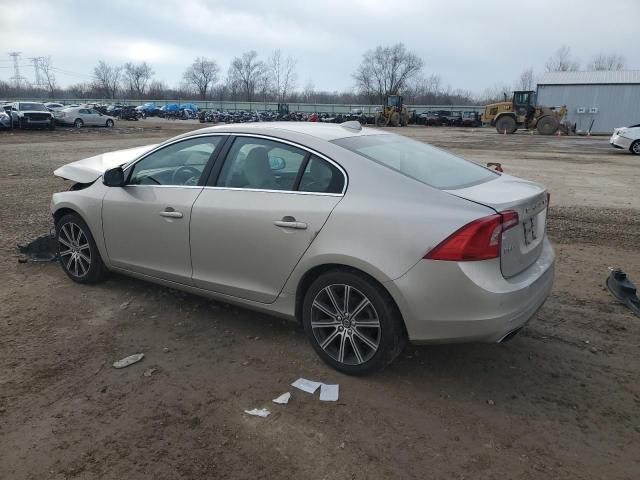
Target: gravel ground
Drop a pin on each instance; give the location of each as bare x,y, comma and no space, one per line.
561,400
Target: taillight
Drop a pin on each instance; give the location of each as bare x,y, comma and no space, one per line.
478,240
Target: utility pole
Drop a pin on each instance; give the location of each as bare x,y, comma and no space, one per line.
17,78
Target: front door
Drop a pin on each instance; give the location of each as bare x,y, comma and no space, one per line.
146,222
252,225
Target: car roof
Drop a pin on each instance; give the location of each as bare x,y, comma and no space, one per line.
323,131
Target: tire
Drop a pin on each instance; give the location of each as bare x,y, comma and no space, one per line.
547,125
380,120
506,123
395,119
52,125
404,120
109,123
74,241
635,147
21,124
355,345
78,123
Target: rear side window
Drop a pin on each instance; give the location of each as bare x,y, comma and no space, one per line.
418,160
261,164
322,177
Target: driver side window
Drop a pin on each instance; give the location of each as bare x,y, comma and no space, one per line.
180,164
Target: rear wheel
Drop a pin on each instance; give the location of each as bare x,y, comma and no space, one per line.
78,123
547,125
77,250
395,119
352,323
380,120
635,147
404,120
506,124
109,123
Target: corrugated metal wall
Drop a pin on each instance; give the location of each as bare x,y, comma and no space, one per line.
618,105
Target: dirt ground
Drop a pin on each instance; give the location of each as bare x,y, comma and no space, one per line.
560,401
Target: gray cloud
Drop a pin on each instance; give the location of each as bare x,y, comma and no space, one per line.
471,44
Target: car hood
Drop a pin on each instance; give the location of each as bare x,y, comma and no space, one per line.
34,111
89,169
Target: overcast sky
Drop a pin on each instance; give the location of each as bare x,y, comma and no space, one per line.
471,44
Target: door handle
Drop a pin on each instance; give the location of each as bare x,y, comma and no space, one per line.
290,222
170,213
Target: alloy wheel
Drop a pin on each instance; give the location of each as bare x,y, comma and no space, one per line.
636,148
75,252
345,324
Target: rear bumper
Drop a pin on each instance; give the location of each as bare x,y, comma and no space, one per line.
453,302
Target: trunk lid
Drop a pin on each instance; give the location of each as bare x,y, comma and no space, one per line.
89,169
522,244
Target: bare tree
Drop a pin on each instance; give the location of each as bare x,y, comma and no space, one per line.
46,69
603,61
283,72
137,77
202,74
526,80
561,61
157,90
107,78
247,71
386,70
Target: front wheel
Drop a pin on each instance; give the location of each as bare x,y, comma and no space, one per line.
352,323
109,123
635,147
77,250
78,123
506,124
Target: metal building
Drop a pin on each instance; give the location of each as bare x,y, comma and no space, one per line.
609,99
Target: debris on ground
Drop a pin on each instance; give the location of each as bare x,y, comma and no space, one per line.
624,290
149,371
329,393
124,305
42,249
258,412
305,385
130,360
282,399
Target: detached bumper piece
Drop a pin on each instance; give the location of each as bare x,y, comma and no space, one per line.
624,290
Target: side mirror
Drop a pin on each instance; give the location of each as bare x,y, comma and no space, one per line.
276,163
114,177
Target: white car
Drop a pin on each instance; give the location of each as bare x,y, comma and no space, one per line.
83,116
368,238
627,138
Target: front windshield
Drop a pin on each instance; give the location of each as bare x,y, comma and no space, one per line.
37,107
418,160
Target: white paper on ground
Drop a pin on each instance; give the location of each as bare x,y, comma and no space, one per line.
258,412
282,399
305,385
131,359
329,393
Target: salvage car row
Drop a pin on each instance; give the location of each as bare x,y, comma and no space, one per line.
39,115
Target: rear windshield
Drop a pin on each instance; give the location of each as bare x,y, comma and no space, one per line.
418,160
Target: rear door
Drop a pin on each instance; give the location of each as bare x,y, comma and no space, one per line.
258,214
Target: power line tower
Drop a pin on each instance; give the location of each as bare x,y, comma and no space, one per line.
17,78
36,70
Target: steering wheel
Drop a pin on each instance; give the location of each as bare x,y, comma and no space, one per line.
183,175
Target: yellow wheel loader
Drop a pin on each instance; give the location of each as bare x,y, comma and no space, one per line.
522,112
393,113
